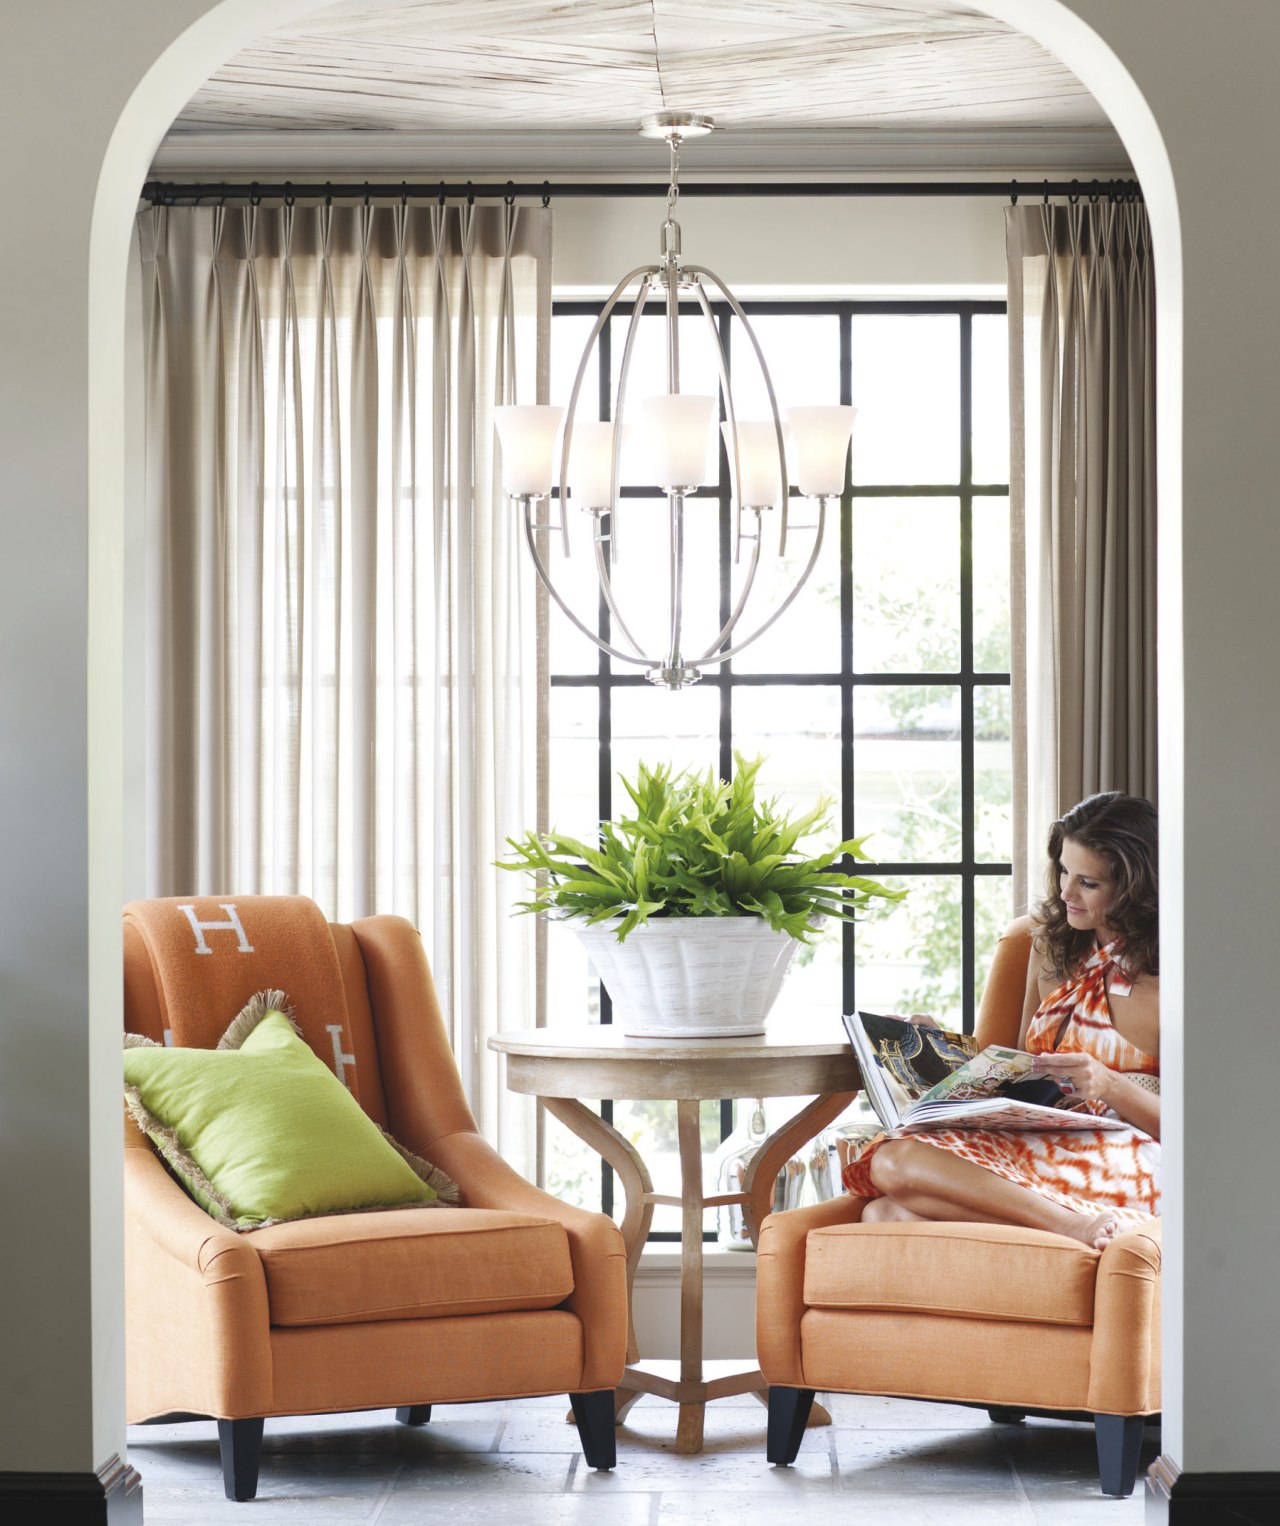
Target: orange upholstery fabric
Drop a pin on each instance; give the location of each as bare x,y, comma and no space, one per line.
1005,989
977,1313
398,1265
514,1293
973,1361
1124,1376
946,1269
426,1361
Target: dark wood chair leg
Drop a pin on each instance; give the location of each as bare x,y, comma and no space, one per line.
240,1442
1119,1439
413,1414
593,1414
788,1415
1007,1416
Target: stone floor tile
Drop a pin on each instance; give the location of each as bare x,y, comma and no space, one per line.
708,1473
533,1510
321,1487
877,1412
422,1492
740,1507
727,1427
969,1463
898,1462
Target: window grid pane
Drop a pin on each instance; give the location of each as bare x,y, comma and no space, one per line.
887,691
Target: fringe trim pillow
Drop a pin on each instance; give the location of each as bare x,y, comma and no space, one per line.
260,1131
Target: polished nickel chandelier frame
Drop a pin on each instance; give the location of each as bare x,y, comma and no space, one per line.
817,435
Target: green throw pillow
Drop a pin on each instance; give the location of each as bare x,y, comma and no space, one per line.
260,1130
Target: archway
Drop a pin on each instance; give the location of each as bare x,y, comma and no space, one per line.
181,59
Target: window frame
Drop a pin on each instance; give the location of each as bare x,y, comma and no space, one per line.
608,676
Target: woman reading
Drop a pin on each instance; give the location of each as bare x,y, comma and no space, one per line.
1092,1016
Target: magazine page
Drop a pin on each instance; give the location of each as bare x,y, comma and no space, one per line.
873,1085
902,1061
988,1074
1001,1113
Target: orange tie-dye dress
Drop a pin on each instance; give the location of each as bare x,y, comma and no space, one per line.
1088,1170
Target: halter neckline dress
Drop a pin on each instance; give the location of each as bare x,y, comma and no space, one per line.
1089,1170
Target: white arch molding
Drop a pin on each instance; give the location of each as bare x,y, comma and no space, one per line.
1197,105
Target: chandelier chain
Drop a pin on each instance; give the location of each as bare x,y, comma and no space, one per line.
673,190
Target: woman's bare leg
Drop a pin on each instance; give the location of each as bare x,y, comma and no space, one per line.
883,1210
933,1184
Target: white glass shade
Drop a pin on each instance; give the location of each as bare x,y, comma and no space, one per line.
761,485
528,434
591,464
821,442
676,432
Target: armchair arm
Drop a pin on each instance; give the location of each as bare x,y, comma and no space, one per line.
1124,1362
599,1261
780,1283
195,1304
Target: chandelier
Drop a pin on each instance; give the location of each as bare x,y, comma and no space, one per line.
674,435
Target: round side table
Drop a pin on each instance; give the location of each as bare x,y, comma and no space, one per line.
561,1065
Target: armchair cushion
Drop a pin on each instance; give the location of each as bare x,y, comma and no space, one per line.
396,1265
949,1269
260,1131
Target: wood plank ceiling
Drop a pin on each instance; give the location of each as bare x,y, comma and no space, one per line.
497,66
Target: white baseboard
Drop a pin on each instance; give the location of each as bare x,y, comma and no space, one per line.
728,1311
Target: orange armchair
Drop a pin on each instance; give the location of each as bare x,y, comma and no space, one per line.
1016,1321
510,1295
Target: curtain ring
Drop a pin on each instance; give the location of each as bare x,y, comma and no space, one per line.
366,193
1074,196
289,197
404,193
441,196
509,200
1013,193
255,196
471,195
1095,192
546,193
328,193
1046,193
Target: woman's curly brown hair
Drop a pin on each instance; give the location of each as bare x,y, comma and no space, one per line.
1121,829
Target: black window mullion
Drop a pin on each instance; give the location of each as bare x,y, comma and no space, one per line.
725,670
725,327
968,889
848,933
604,669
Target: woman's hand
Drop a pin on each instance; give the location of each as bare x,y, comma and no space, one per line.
1079,1075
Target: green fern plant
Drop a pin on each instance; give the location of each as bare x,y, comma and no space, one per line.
697,847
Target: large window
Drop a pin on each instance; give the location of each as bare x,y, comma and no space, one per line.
885,687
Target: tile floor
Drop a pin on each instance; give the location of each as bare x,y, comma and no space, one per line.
887,1461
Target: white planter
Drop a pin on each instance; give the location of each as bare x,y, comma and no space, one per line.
690,977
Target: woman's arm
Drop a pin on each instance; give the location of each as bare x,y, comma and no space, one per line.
1080,1075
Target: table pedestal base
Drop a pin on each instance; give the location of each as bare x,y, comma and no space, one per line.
561,1068
693,1396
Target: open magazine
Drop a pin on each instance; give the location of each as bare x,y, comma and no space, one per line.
926,1078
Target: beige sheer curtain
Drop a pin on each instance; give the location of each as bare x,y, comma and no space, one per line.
342,700
1083,487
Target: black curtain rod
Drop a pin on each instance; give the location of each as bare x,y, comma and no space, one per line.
171,193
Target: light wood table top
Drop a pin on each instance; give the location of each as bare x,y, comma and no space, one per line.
789,1060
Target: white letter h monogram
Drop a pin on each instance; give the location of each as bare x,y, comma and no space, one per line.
232,925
